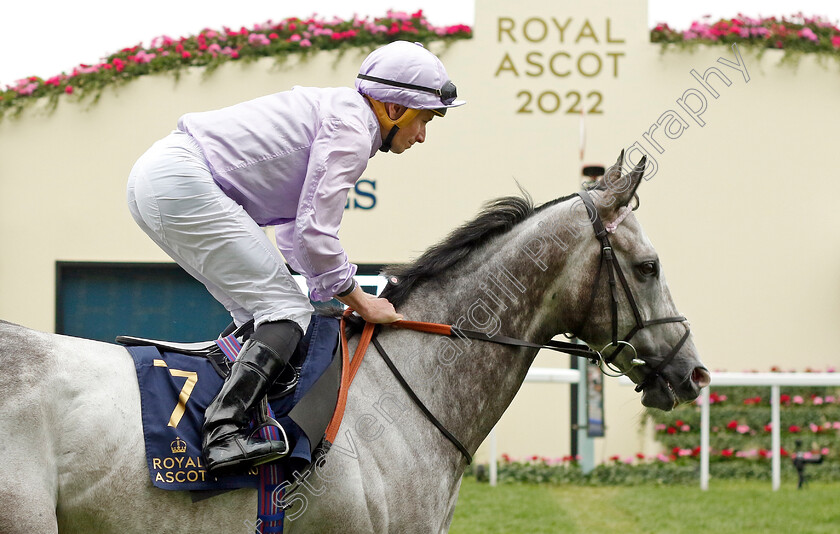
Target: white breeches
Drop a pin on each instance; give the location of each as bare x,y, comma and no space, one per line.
172,196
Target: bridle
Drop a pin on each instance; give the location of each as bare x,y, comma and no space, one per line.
607,262
610,263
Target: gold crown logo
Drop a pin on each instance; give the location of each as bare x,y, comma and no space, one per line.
178,446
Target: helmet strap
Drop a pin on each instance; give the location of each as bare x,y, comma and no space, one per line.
387,122
386,143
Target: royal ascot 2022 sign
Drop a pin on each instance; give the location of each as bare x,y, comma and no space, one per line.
585,49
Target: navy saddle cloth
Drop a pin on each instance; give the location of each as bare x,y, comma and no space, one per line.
176,388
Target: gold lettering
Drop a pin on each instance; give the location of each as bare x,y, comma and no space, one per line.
541,24
180,460
180,476
583,33
190,463
168,463
155,463
508,30
507,64
562,28
192,476
597,61
184,396
553,69
528,59
158,478
609,33
169,477
615,56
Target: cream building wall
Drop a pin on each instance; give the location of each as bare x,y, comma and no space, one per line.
740,207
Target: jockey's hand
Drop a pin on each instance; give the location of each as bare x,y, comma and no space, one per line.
372,309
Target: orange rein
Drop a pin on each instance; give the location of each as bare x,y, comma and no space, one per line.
349,368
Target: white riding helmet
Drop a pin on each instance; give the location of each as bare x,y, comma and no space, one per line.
407,74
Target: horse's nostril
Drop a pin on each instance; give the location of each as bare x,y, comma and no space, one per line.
701,377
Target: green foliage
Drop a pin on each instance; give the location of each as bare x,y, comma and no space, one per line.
210,49
682,471
739,420
795,35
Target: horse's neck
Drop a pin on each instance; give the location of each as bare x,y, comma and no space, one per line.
497,290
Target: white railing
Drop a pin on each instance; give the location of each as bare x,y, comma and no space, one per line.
774,381
535,374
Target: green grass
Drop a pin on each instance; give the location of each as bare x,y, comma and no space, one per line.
734,507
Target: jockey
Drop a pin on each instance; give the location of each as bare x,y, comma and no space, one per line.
286,160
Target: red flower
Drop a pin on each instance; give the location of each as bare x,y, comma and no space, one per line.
732,425
640,456
69,89
726,453
793,429
678,422
672,430
695,451
785,398
768,427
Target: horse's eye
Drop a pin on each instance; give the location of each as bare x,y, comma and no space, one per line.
648,268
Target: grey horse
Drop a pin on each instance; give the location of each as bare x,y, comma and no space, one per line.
71,447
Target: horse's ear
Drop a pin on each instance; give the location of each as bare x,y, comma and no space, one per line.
619,188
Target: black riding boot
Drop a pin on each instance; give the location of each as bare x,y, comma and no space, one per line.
228,445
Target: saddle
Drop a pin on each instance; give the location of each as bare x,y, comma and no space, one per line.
303,400
213,352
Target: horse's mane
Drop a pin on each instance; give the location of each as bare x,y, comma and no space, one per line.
496,218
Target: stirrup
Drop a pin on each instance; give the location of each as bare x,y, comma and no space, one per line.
266,421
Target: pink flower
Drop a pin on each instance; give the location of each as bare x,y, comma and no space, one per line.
258,39
835,425
294,38
814,428
27,89
145,57
662,458
818,401
685,428
824,451
798,399
808,33
742,429
305,43
69,89
835,42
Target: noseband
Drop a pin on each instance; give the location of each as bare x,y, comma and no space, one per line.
610,263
